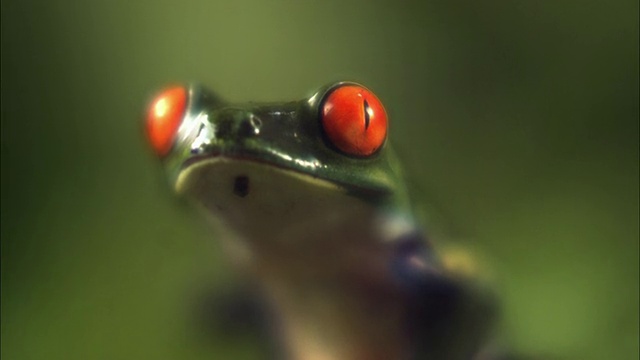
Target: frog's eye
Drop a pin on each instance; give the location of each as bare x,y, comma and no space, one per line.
164,118
354,120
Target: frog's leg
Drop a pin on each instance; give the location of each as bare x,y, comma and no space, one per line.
448,316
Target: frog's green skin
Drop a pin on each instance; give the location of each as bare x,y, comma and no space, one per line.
330,238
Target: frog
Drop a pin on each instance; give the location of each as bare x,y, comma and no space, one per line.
310,203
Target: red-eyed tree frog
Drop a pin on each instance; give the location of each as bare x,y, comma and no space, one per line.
314,206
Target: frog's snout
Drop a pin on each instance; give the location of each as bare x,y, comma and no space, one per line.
178,118
236,125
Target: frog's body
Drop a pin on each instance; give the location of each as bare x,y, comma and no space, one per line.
321,220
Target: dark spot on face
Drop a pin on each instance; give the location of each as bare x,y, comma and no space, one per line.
241,185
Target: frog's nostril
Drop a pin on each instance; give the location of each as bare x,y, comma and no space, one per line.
250,126
256,122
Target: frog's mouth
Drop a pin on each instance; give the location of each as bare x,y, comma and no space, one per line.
360,187
261,200
243,177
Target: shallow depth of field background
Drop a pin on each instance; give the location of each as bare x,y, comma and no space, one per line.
517,122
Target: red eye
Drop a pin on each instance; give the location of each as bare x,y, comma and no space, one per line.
164,118
354,120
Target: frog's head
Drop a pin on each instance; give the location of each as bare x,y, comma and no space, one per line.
279,169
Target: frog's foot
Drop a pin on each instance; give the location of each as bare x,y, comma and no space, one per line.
464,263
239,314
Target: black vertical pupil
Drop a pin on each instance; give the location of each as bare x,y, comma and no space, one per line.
366,115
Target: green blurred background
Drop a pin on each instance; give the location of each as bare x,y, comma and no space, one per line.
517,122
